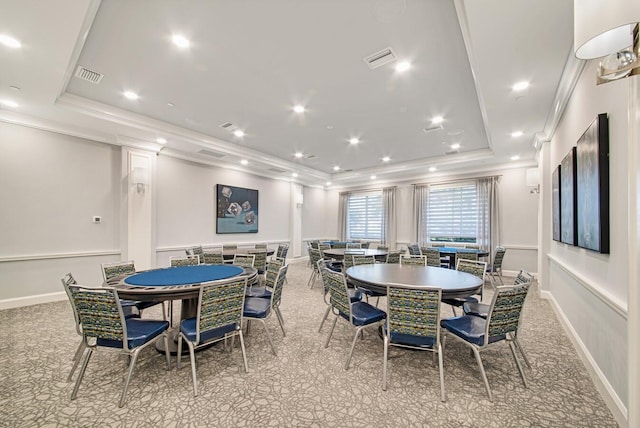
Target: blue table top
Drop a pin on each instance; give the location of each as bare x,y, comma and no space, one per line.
182,275
459,250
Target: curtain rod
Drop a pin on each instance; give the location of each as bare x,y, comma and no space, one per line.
459,180
369,189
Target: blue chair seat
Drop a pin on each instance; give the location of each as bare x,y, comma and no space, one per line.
139,332
476,309
412,340
188,328
459,301
355,295
260,292
256,307
363,313
469,328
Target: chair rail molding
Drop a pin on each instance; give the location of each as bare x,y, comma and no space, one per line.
33,257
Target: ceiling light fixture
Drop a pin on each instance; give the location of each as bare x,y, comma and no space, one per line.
180,41
336,168
161,140
294,175
238,133
244,162
437,120
520,86
328,183
403,66
9,103
299,109
455,146
373,177
354,141
433,169
299,155
515,157
516,134
386,159
10,42
131,95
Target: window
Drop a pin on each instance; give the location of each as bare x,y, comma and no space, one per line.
364,216
452,214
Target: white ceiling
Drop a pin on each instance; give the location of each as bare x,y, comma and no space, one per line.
251,61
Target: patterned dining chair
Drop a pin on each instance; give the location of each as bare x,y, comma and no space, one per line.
495,268
359,315
261,246
104,325
354,245
355,295
414,249
260,262
271,274
413,322
433,256
244,260
176,261
393,257
502,324
414,260
212,258
382,247
314,255
195,251
475,268
219,317
282,251
127,267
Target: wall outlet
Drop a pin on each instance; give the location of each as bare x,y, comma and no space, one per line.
97,219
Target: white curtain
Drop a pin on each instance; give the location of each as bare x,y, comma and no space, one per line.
488,229
389,227
420,208
343,204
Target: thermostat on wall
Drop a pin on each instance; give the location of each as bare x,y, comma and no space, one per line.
97,219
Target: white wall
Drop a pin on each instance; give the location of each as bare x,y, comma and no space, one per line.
589,290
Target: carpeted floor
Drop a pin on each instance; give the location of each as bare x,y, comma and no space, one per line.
304,386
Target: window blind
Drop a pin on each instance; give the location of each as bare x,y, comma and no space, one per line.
452,213
364,216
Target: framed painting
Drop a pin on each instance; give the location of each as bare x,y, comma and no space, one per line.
237,209
568,199
592,166
555,202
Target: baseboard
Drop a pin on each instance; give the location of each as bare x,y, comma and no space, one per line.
617,407
32,300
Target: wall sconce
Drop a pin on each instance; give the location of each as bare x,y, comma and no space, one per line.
533,180
140,177
610,30
299,199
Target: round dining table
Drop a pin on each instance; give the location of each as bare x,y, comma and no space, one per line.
339,253
452,252
376,277
173,283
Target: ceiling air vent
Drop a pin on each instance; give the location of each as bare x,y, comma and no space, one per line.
432,128
277,170
228,126
380,58
88,75
216,155
311,156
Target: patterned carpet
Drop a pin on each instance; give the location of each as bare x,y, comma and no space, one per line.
304,386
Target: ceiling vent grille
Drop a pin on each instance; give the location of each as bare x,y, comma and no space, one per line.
380,58
432,128
277,170
212,154
228,126
311,156
88,75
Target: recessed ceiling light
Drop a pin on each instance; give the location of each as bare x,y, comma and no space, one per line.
9,103
294,175
180,41
328,183
516,134
354,141
329,126
455,146
433,169
373,177
299,155
131,95
170,104
244,162
437,120
515,157
386,159
238,133
9,41
336,168
520,86
299,109
161,140
403,66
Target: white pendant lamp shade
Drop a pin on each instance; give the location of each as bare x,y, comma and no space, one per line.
602,27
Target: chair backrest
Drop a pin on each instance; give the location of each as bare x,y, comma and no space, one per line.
365,245
195,251
415,312
260,246
260,261
100,314
414,260
473,246
354,245
213,258
244,260
314,244
67,281
220,305
522,277
414,250
433,256
282,251
323,246
498,256
382,247
111,270
363,260
347,262
315,255
338,291
437,245
271,276
229,247
340,244
466,256
184,261
506,310
473,267
393,257
276,293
